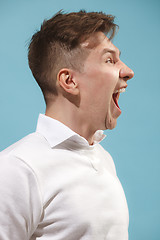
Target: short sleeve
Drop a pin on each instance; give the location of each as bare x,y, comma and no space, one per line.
20,200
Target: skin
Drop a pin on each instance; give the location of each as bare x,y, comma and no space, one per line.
85,100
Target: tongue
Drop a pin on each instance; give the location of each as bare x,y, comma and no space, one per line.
115,98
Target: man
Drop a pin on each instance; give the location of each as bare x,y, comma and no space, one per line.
59,183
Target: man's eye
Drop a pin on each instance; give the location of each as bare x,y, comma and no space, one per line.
109,60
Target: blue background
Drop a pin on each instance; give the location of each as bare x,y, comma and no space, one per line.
135,142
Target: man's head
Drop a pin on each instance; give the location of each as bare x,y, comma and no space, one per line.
79,70
59,44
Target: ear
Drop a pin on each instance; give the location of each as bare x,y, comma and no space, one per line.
67,81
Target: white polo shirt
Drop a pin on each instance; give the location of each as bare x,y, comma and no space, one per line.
55,186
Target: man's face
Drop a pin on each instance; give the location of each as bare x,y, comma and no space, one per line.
103,77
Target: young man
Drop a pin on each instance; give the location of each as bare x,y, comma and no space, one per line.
59,183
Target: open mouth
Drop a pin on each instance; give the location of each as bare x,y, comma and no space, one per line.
115,98
116,95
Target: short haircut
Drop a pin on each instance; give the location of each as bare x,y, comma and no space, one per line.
58,44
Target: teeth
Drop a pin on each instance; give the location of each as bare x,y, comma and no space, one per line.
120,90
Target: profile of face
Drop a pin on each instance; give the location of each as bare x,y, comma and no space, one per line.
103,78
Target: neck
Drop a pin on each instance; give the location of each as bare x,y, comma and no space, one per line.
73,117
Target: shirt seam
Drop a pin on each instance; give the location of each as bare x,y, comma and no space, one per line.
37,183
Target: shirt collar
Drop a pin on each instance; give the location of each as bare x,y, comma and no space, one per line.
56,132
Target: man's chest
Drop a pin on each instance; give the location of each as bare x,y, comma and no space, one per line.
81,197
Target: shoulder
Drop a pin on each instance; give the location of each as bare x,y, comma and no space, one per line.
24,155
13,161
33,155
18,198
28,142
27,148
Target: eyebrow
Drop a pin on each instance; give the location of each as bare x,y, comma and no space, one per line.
106,50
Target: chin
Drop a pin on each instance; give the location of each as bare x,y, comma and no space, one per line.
111,124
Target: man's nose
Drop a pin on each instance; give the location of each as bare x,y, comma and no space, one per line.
126,73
